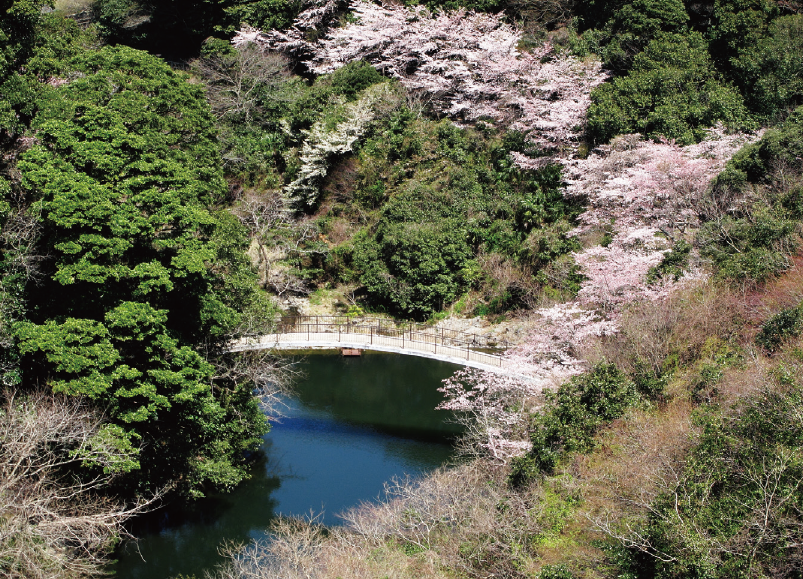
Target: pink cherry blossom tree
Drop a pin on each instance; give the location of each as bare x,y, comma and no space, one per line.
466,66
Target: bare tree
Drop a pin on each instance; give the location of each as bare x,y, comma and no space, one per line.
55,520
236,82
292,552
543,13
278,236
272,376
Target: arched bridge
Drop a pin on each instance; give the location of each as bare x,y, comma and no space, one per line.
369,333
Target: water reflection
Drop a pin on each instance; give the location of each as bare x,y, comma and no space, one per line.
354,424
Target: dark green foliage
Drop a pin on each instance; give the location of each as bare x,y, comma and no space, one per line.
353,78
140,273
737,509
618,31
18,20
555,572
649,383
264,14
414,267
445,195
176,28
690,80
752,247
571,417
781,147
770,71
671,91
255,141
31,46
673,263
736,25
781,326
752,240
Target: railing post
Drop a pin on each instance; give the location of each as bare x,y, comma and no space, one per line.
372,335
338,333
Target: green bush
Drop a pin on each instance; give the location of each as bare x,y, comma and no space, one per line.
414,268
672,264
736,25
264,14
353,78
672,91
779,147
736,511
571,417
555,572
783,325
770,71
617,31
754,238
440,195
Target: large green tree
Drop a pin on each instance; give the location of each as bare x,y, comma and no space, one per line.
137,282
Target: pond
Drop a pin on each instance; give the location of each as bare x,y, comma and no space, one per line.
355,423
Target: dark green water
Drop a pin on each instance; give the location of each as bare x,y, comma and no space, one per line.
355,423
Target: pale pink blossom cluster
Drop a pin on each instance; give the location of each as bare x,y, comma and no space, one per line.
463,65
549,351
638,185
495,403
645,195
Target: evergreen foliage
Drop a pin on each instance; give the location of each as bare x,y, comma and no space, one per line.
571,417
445,195
683,67
672,90
135,282
752,240
178,27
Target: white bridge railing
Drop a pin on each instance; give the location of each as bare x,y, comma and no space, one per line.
302,332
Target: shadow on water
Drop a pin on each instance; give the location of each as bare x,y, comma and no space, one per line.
354,424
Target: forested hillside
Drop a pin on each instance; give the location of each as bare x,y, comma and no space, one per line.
615,186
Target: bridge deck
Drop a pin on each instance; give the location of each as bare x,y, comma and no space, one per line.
402,344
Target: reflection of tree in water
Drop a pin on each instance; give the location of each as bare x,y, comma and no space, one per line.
380,391
332,449
182,533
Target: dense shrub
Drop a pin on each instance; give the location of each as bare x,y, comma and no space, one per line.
571,416
414,268
673,264
770,71
735,25
736,511
176,28
672,91
785,324
617,31
446,195
779,148
753,222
